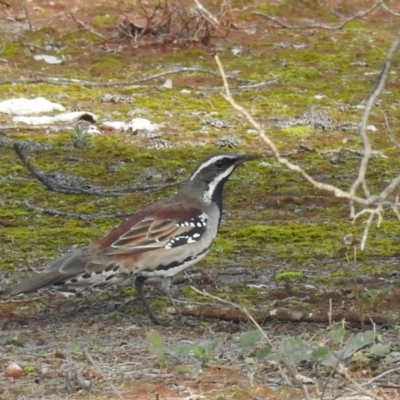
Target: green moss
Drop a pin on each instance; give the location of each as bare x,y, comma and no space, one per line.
190,294
223,247
289,276
105,20
297,130
29,369
298,74
11,49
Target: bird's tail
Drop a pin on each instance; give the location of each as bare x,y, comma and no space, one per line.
71,264
35,282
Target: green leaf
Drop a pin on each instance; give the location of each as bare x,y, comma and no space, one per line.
181,351
380,350
338,334
250,338
295,349
204,351
394,325
199,352
263,352
320,353
357,343
393,358
330,361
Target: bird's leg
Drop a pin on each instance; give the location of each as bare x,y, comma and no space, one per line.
139,283
165,286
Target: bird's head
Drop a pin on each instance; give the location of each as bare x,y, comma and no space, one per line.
212,172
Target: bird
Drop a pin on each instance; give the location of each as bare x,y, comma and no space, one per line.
160,240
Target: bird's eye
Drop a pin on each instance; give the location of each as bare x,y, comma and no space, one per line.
219,164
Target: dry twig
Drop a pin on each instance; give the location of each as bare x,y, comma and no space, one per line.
389,132
293,167
322,26
386,8
52,184
372,98
100,372
73,376
206,14
22,4
243,309
374,204
86,26
274,19
85,83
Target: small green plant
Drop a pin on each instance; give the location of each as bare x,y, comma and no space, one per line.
29,369
289,276
248,341
337,336
80,137
250,338
204,351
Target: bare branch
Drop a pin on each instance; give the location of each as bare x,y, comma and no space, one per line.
389,132
22,4
241,308
372,213
377,90
355,16
368,200
390,188
40,177
52,184
274,19
380,376
293,167
317,25
85,83
206,14
74,376
99,371
395,207
86,26
386,8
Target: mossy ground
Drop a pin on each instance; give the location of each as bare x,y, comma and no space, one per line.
275,226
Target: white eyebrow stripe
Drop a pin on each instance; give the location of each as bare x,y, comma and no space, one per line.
207,197
208,163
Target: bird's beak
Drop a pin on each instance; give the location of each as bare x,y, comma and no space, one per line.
248,157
